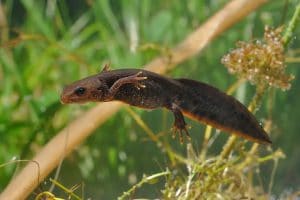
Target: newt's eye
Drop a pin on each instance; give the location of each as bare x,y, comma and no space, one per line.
79,91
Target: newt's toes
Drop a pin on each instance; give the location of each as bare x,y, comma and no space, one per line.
181,132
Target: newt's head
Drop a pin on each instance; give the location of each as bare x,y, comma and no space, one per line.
88,89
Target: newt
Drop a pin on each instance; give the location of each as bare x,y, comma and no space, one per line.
196,100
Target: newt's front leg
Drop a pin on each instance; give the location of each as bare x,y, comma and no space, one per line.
179,123
133,79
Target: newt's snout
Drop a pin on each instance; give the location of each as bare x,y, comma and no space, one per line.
66,95
63,98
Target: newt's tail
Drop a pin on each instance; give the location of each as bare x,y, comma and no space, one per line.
209,105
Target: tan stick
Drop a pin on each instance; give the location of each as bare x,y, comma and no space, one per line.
49,157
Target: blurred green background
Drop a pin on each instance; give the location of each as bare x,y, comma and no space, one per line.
45,45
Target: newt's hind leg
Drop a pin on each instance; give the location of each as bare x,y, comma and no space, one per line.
179,123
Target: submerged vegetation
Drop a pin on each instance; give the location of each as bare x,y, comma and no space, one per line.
261,62
231,174
47,44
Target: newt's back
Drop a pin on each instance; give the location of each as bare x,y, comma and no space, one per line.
157,90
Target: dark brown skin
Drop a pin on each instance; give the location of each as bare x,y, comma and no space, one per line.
149,90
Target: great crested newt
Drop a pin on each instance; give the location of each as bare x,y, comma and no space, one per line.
148,90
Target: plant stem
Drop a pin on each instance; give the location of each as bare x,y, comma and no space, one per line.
291,26
70,192
207,135
228,147
144,180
